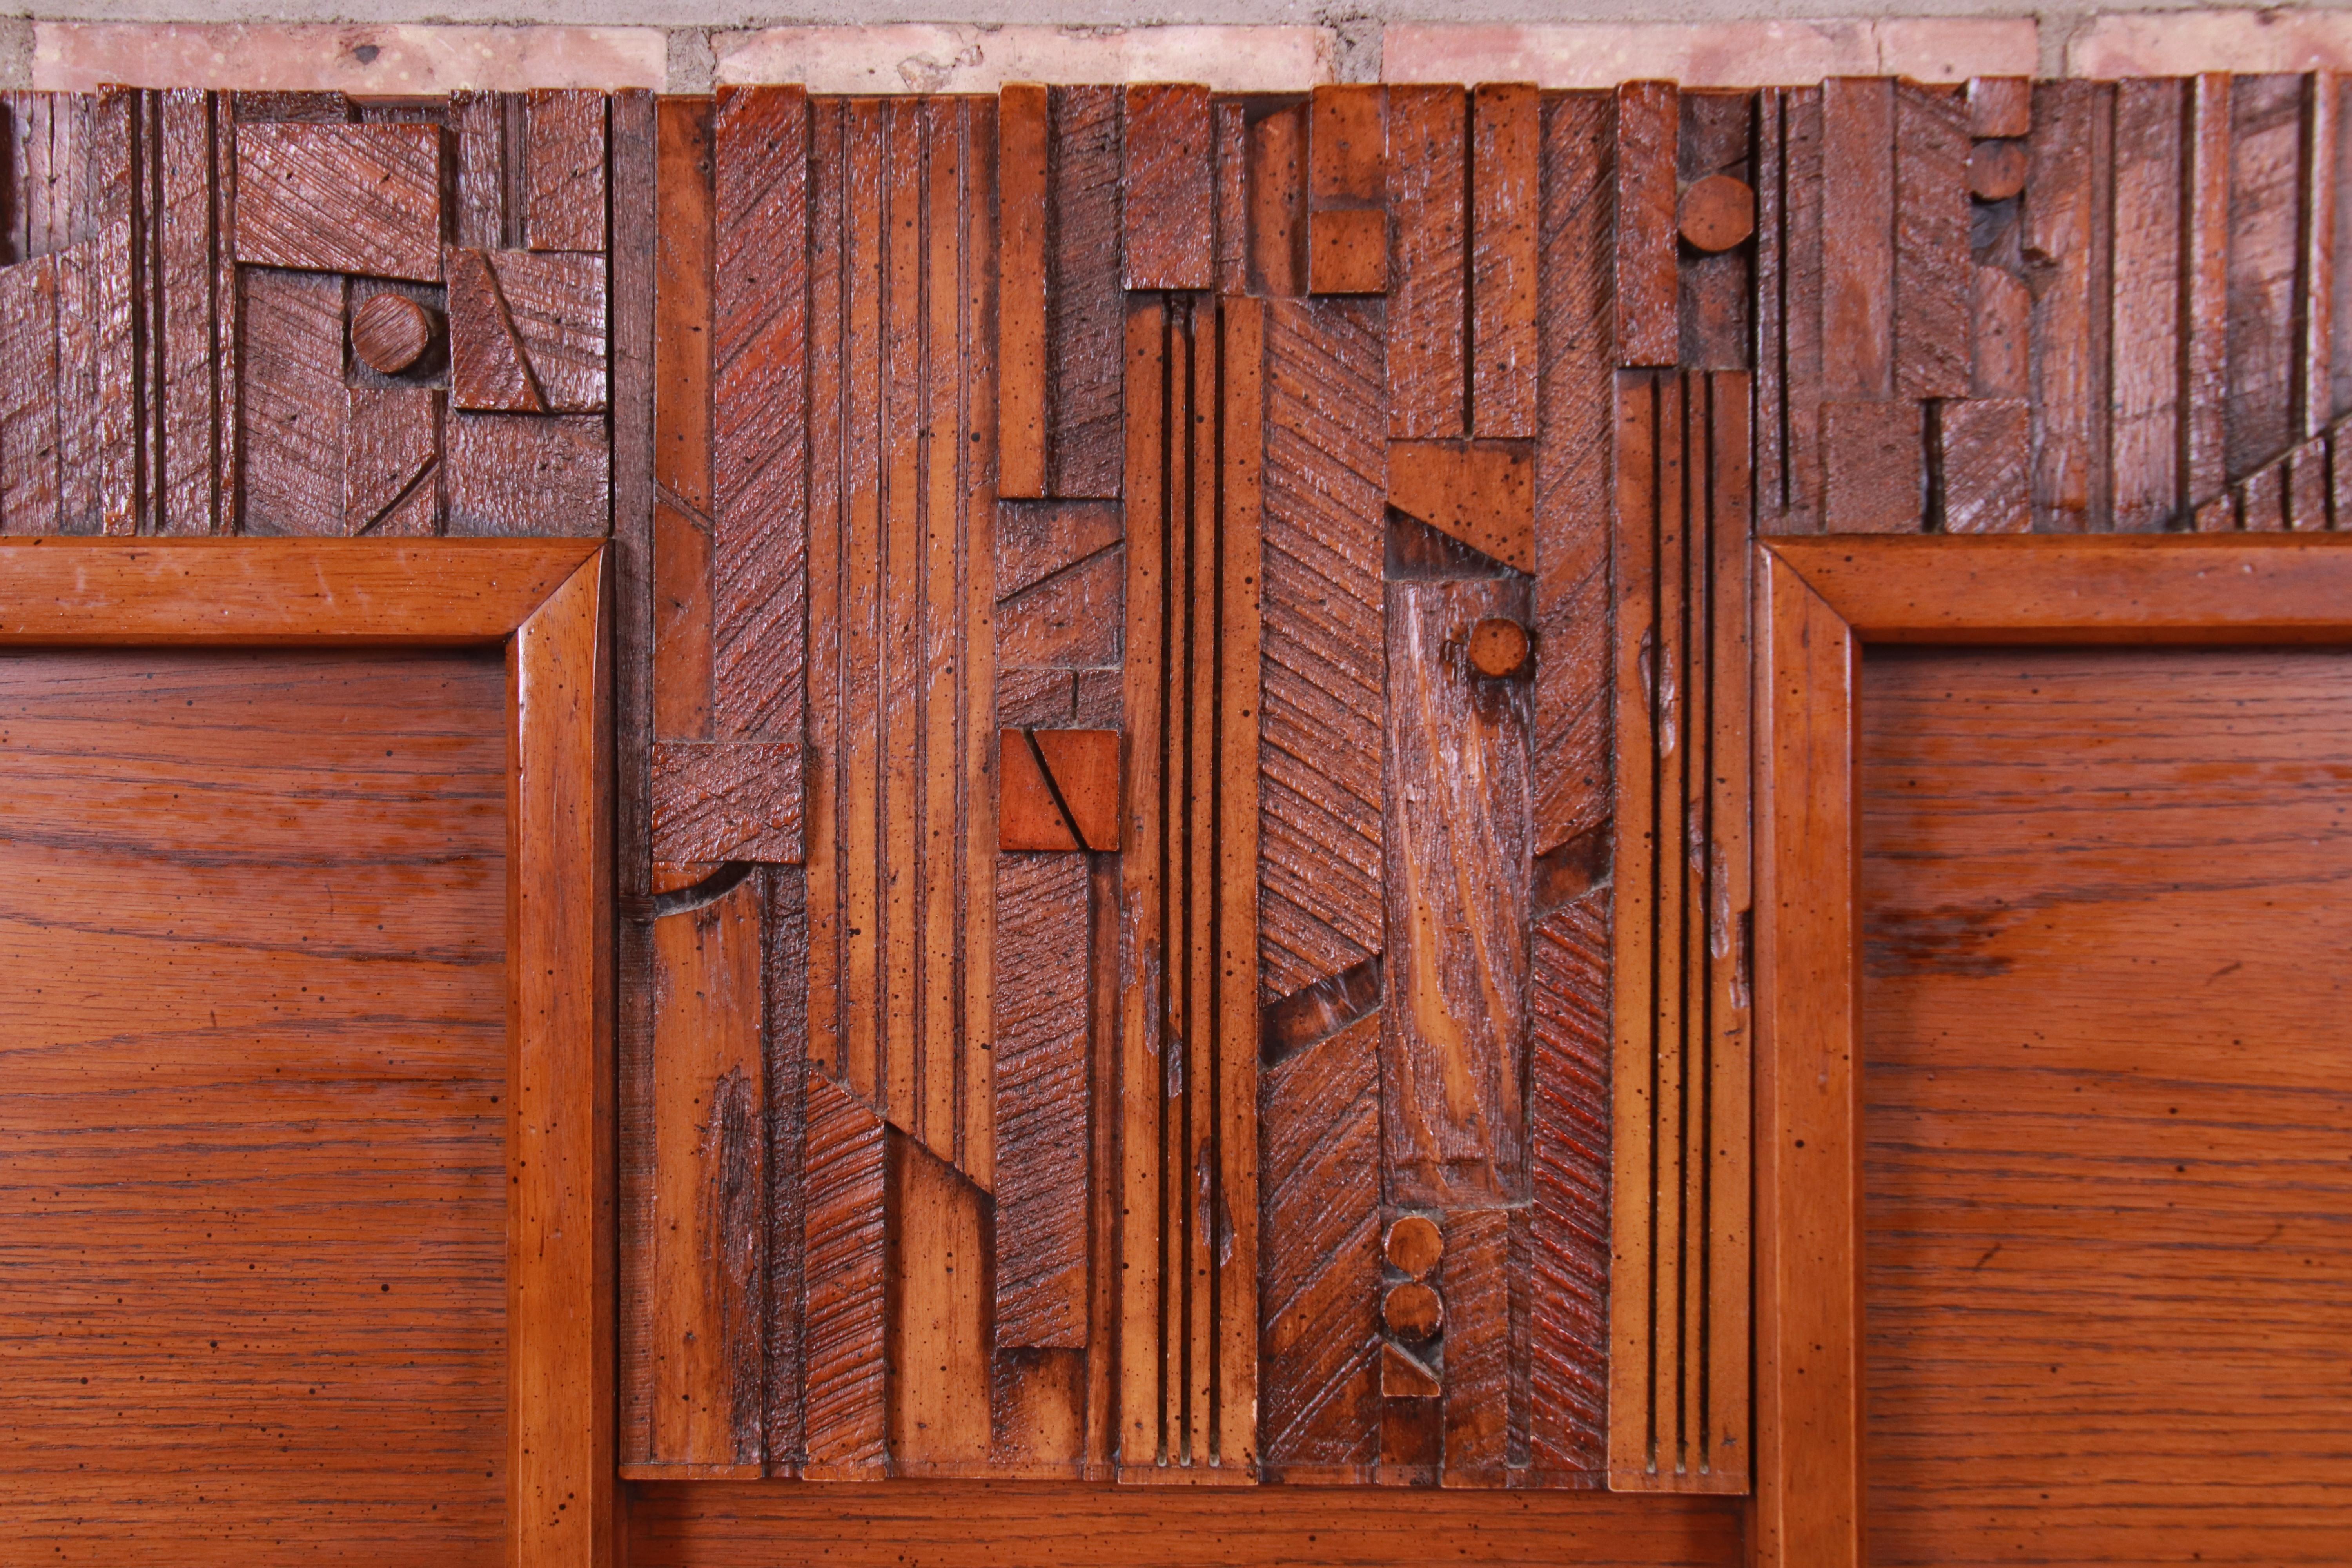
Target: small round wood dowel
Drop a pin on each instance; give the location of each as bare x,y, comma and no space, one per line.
1413,1311
389,332
1414,1245
1718,212
1499,646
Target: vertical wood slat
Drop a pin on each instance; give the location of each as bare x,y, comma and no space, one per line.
1771,445
2318,199
1024,126
1427,293
682,423
2146,432
2266,146
1857,241
2059,198
1039,1040
1677,1310
185,280
1277,202
1168,198
563,171
2204,390
1232,197
1506,130
1933,271
1803,318
1648,131
1085,311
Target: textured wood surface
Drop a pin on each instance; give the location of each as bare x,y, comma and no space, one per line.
1857,242
1647,123
1453,1097
563,170
1506,134
1482,493
1346,218
1026,139
842,1325
340,198
1041,1039
200,1050
729,800
1429,287
1083,329
2106,1334
1932,265
2146,429
1166,195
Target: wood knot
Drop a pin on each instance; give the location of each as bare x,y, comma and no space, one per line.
1413,1311
1718,212
1414,1246
1499,646
389,332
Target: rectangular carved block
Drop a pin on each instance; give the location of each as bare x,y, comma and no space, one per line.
340,198
718,801
1347,190
1167,200
1984,466
1042,1085
1874,463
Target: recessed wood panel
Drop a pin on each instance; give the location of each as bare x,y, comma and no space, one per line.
2108,1102
253,1152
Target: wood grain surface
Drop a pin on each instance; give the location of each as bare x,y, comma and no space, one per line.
254,932
2108,1216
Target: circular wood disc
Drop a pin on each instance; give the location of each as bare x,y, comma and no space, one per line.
1718,213
1499,646
1996,170
1413,1311
389,332
1414,1245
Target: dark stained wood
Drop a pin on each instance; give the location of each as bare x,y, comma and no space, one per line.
340,198
1648,121
1478,1383
514,475
1277,202
729,800
1506,134
1167,200
1036,1525
563,170
1084,307
2146,429
842,1330
1025,132
1347,190
389,332
1067,620
1874,468
1569,736
2205,320
394,439
1322,1010
760,394
1412,1311
2317,199
2263,501
200,1052
184,276
2308,501
481,122
557,306
294,416
1428,287
1035,542
1320,1233
1041,1039
1480,492
1569,1152
1713,156
940,1421
1858,202
1801,318
2069,376
28,390
489,367
1997,170
1933,272
1983,460
2265,149
1319,860
2000,335
1459,800
708,1263
1231,195
681,423
2117,1323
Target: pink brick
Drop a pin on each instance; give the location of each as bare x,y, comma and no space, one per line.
1708,54
75,57
2182,43
1954,48
955,58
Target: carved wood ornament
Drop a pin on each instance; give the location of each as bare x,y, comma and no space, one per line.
1183,666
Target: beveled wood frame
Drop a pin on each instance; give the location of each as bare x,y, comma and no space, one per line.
548,603
1819,602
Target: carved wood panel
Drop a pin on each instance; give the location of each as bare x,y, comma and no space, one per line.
1183,665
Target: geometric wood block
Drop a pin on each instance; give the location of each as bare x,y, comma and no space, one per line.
340,198
1984,465
1873,458
1482,493
718,801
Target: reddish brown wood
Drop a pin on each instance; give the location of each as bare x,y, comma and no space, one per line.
2308,485
1874,468
1454,1133
1771,272
1347,190
1231,195
1067,620
1933,272
1413,1244
2146,430
1025,128
28,390
760,393
1036,542
1277,202
1086,309
1648,120
294,416
2000,106
1478,1394
1803,318
1983,466
340,198
681,423
1506,134
393,442
1569,1151
1716,293
2263,501
2145,1222
1041,1043
1084,767
1428,287
1499,646
726,801
1997,170
1167,195
1480,492
557,308
1858,211
482,122
563,170
389,332
2205,319
1030,816
2061,196
1716,212
1319,1159
1568,739
784,1063
1035,1525
2000,336
939,1423
516,475
2318,200
2266,151
841,1333
185,277
1319,864
489,367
